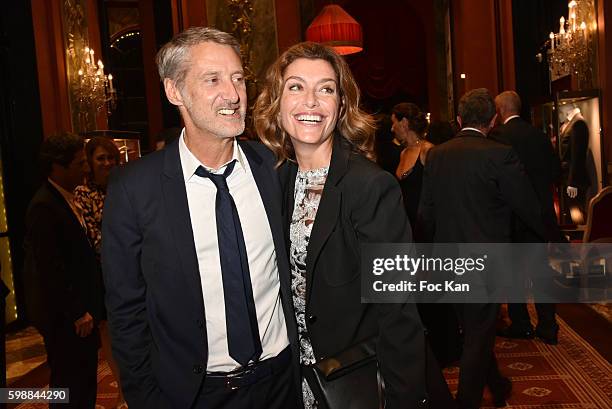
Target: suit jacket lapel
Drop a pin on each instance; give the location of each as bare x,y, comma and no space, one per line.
177,212
267,181
69,212
287,174
329,208
271,197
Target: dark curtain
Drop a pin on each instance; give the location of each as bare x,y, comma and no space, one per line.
393,67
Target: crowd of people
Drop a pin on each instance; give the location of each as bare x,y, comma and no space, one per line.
231,268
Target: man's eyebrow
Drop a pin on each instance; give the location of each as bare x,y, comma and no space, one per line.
216,72
209,73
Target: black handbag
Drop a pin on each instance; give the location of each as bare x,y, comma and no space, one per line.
349,380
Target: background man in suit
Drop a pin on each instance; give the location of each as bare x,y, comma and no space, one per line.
542,166
471,187
193,251
63,281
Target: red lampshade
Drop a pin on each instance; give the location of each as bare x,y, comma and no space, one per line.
336,28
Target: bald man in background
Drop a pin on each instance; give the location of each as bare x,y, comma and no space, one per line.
542,167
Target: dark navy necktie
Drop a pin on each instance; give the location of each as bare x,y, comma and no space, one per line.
240,315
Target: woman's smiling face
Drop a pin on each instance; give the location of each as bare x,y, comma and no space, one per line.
309,103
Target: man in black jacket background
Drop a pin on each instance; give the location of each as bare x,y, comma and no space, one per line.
472,186
542,166
62,279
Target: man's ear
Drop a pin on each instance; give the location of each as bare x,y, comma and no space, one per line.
173,93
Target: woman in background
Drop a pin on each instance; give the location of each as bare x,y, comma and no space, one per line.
102,155
409,127
335,199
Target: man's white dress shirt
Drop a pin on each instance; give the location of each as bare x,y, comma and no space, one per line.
201,194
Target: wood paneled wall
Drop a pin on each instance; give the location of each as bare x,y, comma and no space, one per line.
50,61
483,45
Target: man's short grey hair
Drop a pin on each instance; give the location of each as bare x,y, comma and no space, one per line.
508,102
173,58
476,108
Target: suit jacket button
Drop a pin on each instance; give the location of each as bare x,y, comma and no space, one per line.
424,402
197,369
312,319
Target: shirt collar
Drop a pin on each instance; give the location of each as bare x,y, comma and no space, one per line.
69,196
511,117
467,128
190,163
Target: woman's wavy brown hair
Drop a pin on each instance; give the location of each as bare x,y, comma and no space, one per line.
354,125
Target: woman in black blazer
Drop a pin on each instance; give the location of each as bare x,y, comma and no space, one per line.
335,199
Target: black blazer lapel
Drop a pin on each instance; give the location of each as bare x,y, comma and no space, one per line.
177,211
287,174
61,201
329,208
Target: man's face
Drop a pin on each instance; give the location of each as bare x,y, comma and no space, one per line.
74,173
212,97
399,128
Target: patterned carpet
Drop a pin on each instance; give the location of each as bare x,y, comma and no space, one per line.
107,391
570,375
605,310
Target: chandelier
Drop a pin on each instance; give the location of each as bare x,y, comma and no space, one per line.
92,88
570,51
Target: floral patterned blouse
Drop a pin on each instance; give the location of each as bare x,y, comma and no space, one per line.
90,199
308,190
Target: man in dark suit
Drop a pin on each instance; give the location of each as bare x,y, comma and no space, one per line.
62,279
471,187
542,166
193,252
